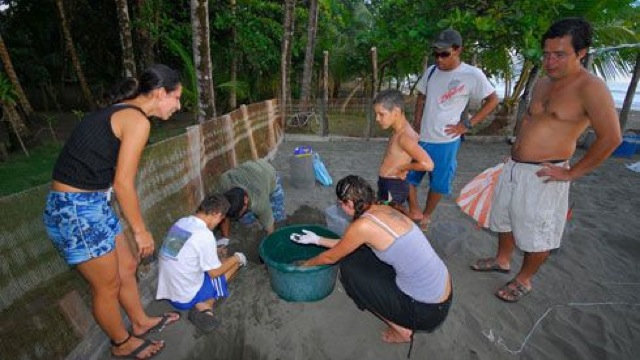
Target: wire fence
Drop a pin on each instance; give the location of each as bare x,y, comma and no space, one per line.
44,304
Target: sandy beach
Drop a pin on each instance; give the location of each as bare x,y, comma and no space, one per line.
585,302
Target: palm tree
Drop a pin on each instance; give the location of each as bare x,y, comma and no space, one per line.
307,72
202,59
233,70
74,55
126,42
631,91
285,65
144,13
13,78
10,114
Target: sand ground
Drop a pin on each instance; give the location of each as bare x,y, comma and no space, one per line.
585,303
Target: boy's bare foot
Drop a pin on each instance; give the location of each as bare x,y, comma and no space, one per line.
415,216
424,223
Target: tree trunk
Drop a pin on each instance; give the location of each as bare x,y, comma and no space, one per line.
202,59
233,71
144,42
13,78
307,74
325,97
287,37
17,125
526,97
126,42
631,91
74,55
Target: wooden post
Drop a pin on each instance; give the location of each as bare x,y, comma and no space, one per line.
247,126
230,141
271,119
195,148
374,62
325,98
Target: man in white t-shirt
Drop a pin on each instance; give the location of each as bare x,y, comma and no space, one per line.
191,275
444,91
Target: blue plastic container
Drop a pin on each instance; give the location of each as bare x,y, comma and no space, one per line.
628,147
292,282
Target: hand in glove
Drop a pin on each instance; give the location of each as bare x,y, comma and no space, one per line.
242,259
309,237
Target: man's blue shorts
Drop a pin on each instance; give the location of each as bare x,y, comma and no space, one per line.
82,225
210,289
444,156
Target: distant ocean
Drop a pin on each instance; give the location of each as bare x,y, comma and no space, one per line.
617,87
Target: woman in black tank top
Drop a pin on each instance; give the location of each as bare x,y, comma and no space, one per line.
78,215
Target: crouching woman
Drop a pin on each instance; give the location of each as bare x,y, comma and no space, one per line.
397,276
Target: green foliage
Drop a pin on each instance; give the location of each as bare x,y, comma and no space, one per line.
189,97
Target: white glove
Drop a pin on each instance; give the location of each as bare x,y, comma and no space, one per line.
241,258
222,241
309,237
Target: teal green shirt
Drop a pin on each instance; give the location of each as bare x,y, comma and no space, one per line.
258,178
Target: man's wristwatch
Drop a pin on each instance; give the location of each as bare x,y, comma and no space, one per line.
467,123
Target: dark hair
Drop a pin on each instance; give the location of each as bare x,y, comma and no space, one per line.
155,77
214,204
389,99
358,190
578,28
235,196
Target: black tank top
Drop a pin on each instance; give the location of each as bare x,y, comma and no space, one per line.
88,158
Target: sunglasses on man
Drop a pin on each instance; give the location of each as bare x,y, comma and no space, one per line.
441,54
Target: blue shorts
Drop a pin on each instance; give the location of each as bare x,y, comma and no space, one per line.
445,162
210,289
82,226
276,199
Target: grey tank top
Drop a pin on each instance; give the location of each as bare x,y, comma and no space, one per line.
420,273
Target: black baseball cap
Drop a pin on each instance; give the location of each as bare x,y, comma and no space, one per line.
448,38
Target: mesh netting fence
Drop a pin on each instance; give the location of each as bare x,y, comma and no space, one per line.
45,306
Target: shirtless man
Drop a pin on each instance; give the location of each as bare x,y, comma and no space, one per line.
531,199
403,152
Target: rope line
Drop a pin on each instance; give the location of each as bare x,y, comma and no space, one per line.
498,340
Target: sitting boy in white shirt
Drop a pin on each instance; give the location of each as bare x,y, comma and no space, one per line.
192,277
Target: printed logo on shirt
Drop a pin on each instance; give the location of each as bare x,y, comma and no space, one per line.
173,242
454,87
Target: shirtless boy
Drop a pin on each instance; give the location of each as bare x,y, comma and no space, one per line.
403,152
531,199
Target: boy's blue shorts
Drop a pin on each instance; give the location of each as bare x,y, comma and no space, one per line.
211,289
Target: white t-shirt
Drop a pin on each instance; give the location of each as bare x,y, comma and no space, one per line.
188,250
448,93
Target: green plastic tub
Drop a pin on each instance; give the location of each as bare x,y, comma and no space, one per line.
292,282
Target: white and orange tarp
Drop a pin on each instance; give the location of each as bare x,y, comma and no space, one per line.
475,197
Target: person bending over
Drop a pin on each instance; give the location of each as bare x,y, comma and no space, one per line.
387,265
191,276
255,193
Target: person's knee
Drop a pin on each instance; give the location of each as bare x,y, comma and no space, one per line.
127,269
108,289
